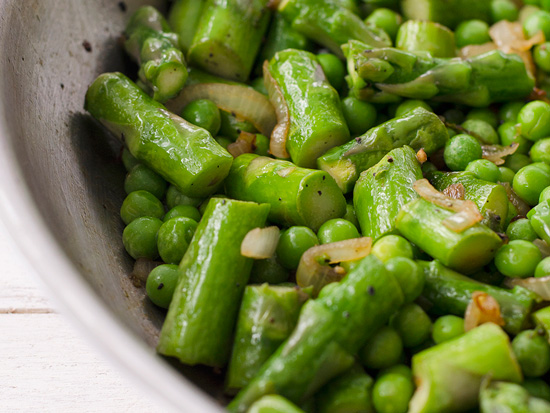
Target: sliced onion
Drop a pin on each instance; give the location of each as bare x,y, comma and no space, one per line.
481,309
497,153
455,191
245,102
467,213
543,247
476,49
315,270
540,286
141,270
520,204
244,144
260,243
277,144
421,156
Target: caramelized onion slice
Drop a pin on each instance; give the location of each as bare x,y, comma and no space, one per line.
497,153
540,286
244,144
277,144
482,309
260,243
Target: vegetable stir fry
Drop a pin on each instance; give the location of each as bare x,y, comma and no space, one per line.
343,205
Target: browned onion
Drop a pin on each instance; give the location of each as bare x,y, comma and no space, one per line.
497,153
277,144
481,309
455,191
476,49
243,144
520,204
260,243
421,156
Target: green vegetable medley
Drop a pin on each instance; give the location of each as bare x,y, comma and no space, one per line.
345,203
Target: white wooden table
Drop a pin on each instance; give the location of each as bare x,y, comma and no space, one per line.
45,366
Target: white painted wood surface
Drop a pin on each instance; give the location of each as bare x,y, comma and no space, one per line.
45,366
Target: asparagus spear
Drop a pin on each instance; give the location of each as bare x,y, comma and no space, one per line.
328,23
420,222
450,293
184,18
502,397
449,13
382,190
313,121
274,404
383,75
184,154
539,217
297,196
213,274
228,37
154,47
426,36
330,330
449,375
267,316
419,129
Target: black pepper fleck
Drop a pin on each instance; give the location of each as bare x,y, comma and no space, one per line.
320,193
371,290
346,314
87,46
390,159
271,320
324,177
160,287
358,139
122,6
62,86
280,199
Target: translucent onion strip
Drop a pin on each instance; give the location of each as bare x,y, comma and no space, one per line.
245,143
260,243
277,145
481,309
497,153
540,286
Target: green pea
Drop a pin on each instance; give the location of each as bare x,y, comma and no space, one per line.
186,211
540,20
268,271
390,246
161,284
231,127
413,325
140,237
509,133
392,393
410,105
409,276
174,237
484,114
261,145
482,130
140,204
401,369
351,216
541,55
509,111
174,197
530,181
543,268
504,10
259,85
385,19
472,32
521,229
455,116
532,352
517,161
506,174
383,350
223,141
334,69
203,113
537,388
540,151
143,178
534,120
545,194
337,229
128,160
446,328
460,151
293,243
484,169
360,116
518,258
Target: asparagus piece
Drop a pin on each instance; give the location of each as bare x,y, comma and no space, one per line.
450,293
184,18
539,217
449,375
419,129
328,23
426,36
384,75
297,196
199,325
491,199
313,121
267,316
330,330
184,154
150,42
502,397
274,403
228,37
420,222
449,13
382,190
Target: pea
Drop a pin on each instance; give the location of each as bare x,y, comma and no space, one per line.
454,116
410,105
268,271
521,229
545,194
186,211
530,181
143,178
446,328
360,116
383,350
482,130
351,216
203,113
504,10
506,174
484,114
512,213
390,246
509,133
484,169
410,277
518,258
543,268
140,204
537,388
472,32
259,85
413,325
336,230
517,161
261,145
460,151
293,243
385,19
174,237
539,20
334,69
509,111
401,369
140,237
161,284
540,151
223,141
541,55
532,352
392,393
128,160
534,120
174,197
